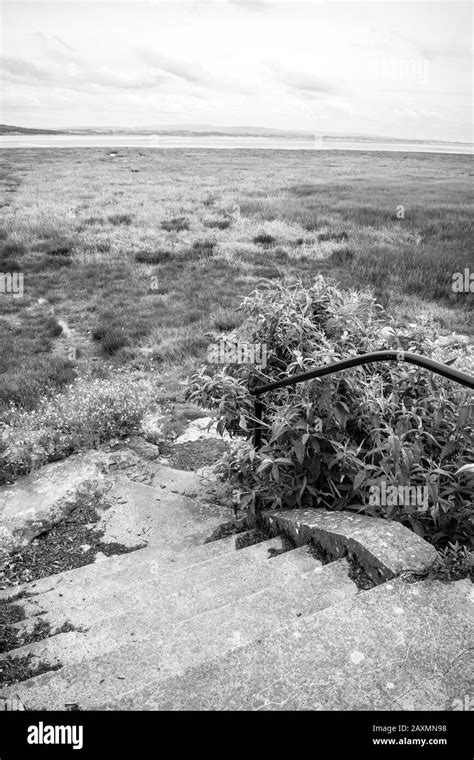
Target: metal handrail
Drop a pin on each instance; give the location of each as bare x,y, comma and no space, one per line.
376,356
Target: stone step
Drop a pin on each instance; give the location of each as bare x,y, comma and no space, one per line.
85,596
140,565
187,592
169,513
175,522
399,646
107,662
384,548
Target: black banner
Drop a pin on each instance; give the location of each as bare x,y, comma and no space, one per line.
372,734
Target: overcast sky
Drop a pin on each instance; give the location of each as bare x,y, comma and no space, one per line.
389,68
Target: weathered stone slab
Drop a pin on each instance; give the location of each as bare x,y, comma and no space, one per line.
385,548
38,501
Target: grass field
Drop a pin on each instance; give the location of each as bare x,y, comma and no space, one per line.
132,262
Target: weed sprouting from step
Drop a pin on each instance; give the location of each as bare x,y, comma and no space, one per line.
358,574
250,538
233,527
12,638
287,546
9,615
260,534
15,669
319,552
72,543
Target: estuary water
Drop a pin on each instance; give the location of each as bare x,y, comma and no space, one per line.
225,142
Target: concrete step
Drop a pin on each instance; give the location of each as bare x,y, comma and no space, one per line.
170,513
175,522
399,646
107,662
184,593
124,569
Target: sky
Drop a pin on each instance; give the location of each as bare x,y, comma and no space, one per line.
400,69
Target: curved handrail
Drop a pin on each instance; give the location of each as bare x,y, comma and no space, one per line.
376,356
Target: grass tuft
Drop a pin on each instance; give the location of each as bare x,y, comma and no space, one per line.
117,219
176,224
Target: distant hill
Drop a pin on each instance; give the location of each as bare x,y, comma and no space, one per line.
209,130
8,129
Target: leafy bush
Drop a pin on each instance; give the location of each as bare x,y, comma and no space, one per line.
328,442
455,562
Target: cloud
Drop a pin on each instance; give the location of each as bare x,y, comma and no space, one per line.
193,73
54,41
445,50
20,69
252,5
303,81
75,74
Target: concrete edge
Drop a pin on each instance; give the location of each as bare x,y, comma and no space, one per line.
384,548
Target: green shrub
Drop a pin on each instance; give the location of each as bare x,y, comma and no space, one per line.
329,442
455,562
